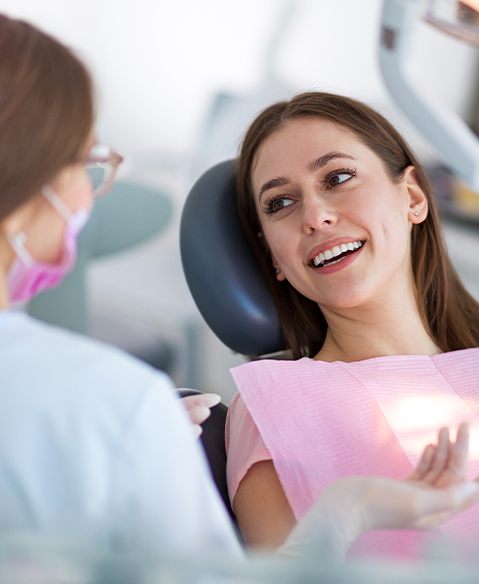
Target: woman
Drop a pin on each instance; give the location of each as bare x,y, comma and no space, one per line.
93,445
90,439
341,218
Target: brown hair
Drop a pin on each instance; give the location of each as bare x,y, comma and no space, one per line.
46,111
450,314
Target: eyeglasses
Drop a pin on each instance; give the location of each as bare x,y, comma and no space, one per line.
102,165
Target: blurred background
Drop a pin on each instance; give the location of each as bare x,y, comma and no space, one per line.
177,83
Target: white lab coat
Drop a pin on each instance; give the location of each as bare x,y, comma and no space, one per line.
95,446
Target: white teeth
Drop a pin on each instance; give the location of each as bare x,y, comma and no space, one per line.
334,262
335,251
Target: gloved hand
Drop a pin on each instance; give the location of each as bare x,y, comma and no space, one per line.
199,407
436,490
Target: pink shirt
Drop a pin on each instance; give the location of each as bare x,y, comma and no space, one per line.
322,421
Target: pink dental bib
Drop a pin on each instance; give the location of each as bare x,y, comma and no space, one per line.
322,421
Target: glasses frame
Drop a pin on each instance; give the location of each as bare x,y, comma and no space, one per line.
103,156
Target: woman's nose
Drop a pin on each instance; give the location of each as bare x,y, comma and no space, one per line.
317,214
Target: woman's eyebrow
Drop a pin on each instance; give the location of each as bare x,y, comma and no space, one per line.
323,160
315,165
274,182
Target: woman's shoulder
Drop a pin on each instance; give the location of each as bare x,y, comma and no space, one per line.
240,425
416,363
237,407
259,380
263,365
283,372
458,355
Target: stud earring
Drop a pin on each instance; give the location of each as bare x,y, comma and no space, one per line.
415,213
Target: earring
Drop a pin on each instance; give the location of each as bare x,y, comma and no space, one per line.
415,213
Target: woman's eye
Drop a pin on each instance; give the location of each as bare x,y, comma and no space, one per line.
277,204
339,177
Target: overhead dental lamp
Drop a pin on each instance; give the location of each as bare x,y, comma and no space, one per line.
453,139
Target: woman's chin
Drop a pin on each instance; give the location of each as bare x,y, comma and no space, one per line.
346,301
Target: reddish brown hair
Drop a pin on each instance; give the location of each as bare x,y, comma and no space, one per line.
46,111
449,313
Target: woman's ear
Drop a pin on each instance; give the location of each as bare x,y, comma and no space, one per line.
279,274
21,217
417,200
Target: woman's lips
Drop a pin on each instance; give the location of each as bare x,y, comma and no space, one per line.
338,263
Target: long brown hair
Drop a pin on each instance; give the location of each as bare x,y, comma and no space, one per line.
46,111
449,313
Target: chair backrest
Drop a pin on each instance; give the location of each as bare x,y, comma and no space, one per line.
223,276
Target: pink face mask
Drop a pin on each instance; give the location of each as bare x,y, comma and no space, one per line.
28,277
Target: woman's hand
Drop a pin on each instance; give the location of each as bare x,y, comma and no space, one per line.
199,407
436,490
444,464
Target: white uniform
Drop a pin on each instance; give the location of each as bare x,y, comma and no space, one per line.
94,445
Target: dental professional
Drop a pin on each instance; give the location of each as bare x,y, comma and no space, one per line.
94,445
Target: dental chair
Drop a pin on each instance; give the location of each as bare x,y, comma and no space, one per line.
227,286
221,271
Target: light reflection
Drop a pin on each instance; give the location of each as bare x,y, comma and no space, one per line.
416,421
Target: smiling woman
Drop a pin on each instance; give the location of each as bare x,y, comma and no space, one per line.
320,206
352,153
342,221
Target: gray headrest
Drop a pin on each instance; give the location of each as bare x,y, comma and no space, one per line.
221,271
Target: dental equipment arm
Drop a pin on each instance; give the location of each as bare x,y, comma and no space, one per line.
455,142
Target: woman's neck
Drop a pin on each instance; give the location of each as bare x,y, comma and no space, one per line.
383,327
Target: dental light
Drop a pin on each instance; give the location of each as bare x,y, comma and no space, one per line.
454,141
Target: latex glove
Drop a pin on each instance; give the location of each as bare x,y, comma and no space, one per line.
199,407
437,490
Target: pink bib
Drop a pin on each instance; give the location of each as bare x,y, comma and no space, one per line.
322,421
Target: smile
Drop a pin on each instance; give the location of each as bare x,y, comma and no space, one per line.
335,254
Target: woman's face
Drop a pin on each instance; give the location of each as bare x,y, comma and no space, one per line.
337,226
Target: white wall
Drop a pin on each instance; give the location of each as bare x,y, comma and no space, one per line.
157,62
